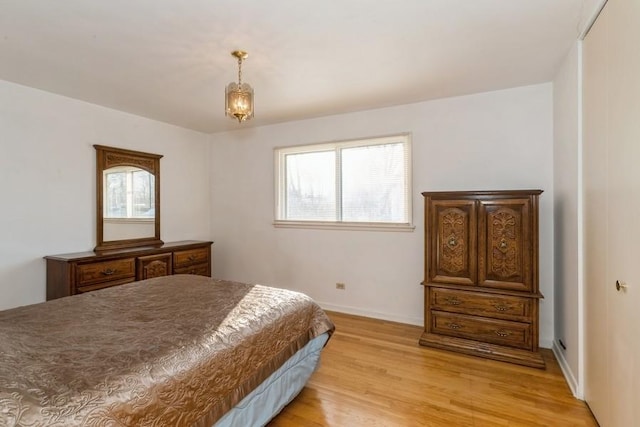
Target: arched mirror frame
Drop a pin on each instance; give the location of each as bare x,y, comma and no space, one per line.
109,157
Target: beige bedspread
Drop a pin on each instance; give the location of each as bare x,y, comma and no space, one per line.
171,351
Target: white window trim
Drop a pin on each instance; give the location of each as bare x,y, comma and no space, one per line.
335,225
129,220
281,152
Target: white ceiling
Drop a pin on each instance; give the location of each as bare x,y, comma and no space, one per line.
170,60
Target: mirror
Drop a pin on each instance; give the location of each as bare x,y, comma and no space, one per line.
128,198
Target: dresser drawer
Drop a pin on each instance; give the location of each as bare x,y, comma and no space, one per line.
102,285
190,257
200,270
120,269
502,332
481,304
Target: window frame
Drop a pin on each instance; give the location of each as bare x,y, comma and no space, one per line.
280,154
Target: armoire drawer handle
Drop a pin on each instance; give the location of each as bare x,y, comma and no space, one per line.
452,242
501,307
502,333
109,272
454,326
453,301
503,244
192,257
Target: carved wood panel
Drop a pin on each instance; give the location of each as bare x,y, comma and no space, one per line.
452,240
154,266
454,246
504,244
117,159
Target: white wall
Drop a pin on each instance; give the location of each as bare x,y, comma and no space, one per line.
47,179
566,206
496,140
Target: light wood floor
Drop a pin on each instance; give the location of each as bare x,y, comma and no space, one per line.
374,373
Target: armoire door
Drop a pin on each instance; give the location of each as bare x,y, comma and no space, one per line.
612,153
453,248
505,239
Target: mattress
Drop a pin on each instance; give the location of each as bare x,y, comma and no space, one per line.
266,401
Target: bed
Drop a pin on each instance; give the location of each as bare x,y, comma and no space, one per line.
171,351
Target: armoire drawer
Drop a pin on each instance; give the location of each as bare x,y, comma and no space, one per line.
502,332
481,304
105,271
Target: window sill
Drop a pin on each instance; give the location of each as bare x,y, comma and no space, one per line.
330,225
129,220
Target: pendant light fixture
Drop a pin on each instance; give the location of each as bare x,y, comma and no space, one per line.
239,96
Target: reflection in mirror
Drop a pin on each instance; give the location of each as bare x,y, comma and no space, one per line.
128,198
129,203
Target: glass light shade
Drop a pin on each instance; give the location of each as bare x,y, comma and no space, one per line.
239,101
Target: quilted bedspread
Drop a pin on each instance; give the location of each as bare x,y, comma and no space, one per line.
171,351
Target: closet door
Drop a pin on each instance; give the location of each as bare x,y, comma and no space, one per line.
595,187
612,214
623,137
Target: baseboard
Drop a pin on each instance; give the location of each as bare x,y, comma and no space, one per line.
566,370
545,343
419,321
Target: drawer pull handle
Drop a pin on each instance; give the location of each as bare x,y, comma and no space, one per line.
454,326
192,257
109,272
501,307
453,301
503,244
452,242
502,333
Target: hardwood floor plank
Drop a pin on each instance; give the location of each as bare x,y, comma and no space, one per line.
374,373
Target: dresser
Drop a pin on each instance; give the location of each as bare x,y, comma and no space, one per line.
481,292
75,273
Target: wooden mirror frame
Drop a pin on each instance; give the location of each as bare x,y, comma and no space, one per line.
108,157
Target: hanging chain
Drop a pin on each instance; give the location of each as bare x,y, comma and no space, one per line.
239,71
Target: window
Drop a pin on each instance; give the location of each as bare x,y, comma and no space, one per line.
129,193
360,183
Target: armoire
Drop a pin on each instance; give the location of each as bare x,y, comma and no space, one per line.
611,208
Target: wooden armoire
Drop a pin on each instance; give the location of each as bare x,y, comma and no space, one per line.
481,274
